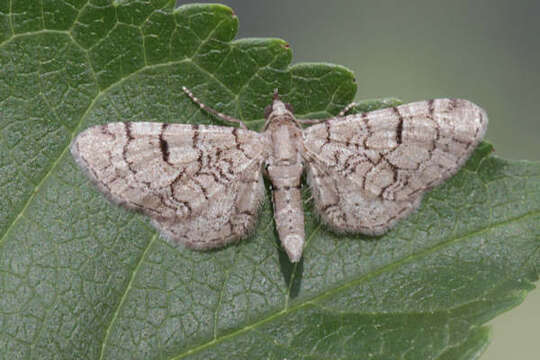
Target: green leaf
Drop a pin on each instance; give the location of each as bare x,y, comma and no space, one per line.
83,279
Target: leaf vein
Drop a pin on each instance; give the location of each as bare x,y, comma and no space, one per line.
124,295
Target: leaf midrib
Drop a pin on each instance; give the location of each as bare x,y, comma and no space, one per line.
328,293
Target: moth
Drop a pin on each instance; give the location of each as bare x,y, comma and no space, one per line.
202,185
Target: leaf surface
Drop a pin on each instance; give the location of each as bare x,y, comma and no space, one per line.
81,278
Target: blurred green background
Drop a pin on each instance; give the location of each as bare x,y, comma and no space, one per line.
487,51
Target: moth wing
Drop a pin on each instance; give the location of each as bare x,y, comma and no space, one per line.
369,170
201,185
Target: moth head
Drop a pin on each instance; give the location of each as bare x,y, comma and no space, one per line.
277,107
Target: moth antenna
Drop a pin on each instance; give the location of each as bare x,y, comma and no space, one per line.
220,115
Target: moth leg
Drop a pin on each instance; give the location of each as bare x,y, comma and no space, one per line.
346,109
213,111
318,121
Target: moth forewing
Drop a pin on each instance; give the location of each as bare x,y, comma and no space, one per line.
201,185
369,170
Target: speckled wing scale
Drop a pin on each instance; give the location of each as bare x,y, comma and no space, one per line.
202,185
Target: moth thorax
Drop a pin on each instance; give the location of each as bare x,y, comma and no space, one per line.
283,140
